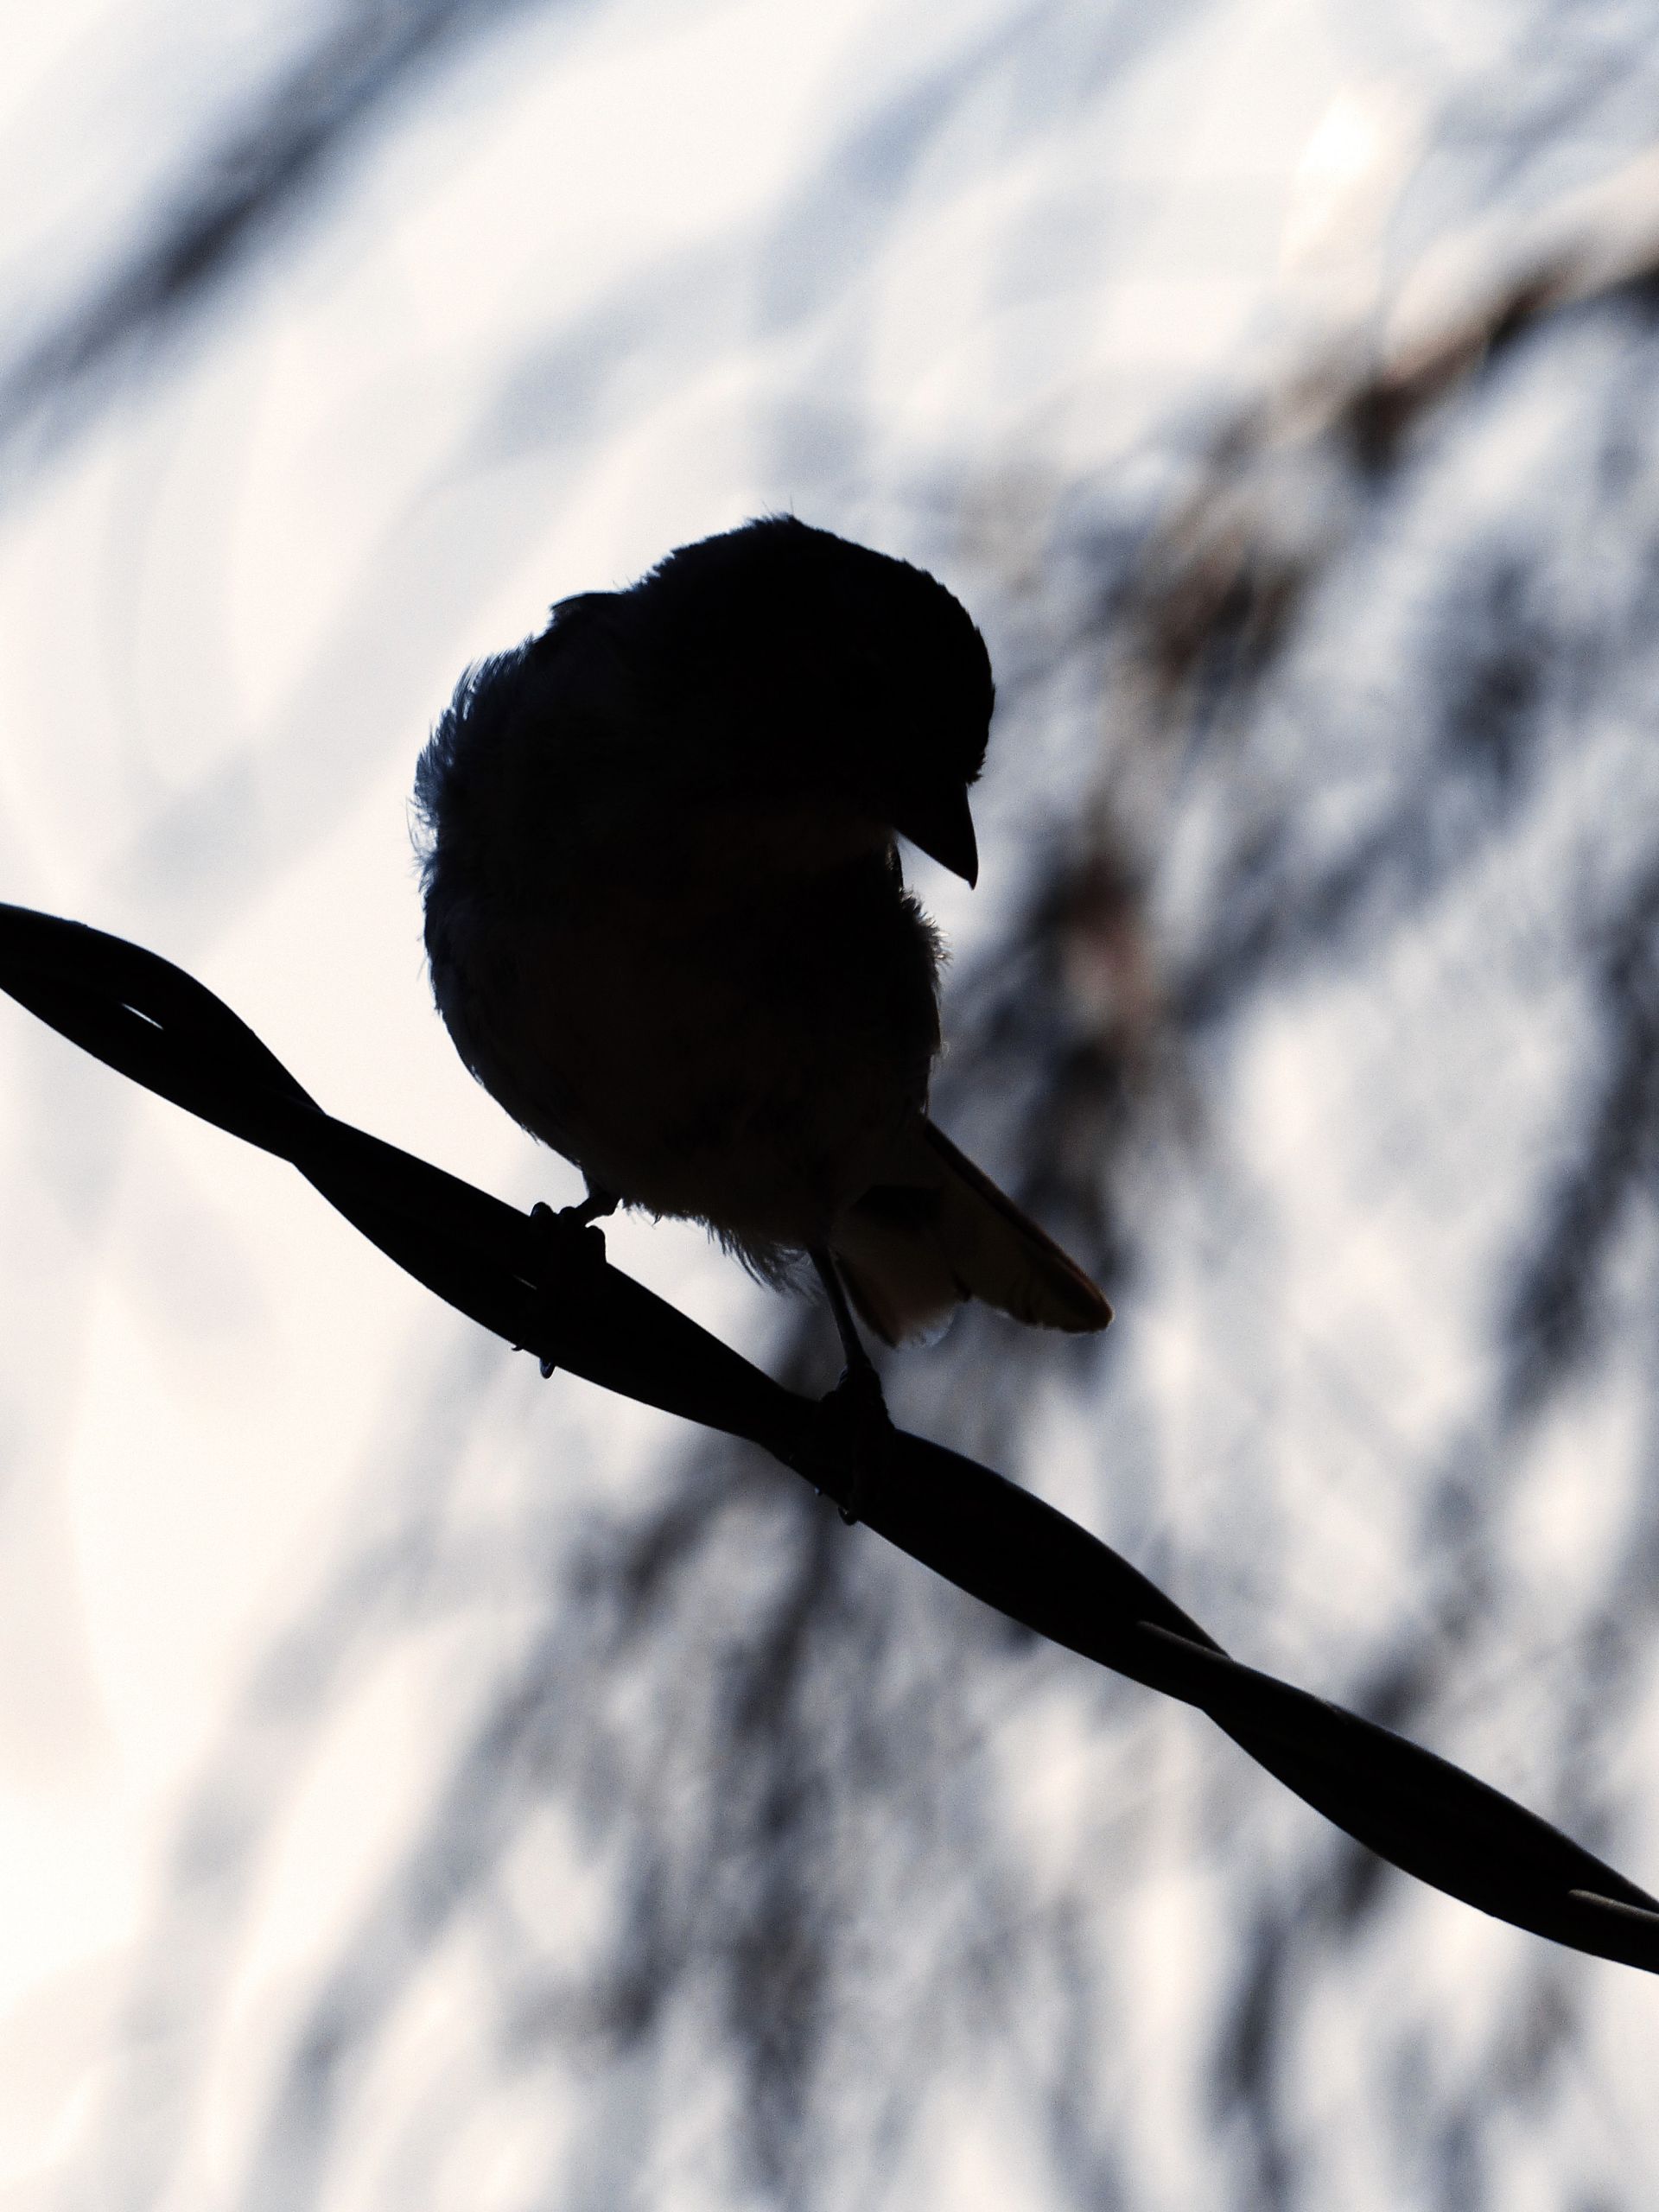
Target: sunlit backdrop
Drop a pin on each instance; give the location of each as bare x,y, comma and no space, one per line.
425,1787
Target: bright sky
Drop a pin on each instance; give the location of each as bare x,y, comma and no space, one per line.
228,615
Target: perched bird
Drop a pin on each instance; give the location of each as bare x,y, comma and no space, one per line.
667,926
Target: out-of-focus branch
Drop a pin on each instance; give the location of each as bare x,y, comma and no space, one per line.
152,1022
1285,476
256,173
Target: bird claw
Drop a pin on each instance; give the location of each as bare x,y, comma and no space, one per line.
571,1235
857,1416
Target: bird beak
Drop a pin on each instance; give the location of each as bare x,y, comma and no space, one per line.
941,826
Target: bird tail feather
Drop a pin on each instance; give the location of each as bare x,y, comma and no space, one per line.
933,1231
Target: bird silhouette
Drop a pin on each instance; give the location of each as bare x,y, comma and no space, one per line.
669,930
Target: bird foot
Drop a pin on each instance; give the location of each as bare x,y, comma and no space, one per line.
576,1245
859,1423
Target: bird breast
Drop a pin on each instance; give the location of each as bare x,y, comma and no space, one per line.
730,1023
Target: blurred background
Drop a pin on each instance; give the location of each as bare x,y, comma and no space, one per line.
422,1787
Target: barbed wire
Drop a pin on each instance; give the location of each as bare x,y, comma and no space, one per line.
560,1299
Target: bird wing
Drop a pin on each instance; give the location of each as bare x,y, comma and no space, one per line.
933,1231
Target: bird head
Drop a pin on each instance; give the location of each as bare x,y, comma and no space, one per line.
803,665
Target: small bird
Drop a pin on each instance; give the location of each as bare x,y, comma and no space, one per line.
669,930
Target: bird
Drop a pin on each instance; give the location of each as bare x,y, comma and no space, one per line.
668,928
